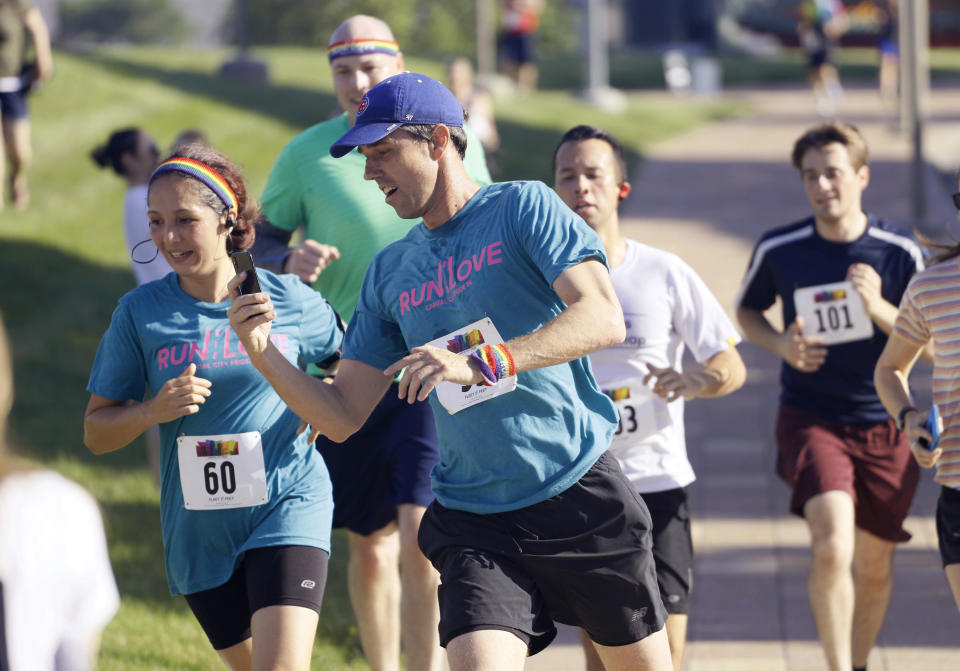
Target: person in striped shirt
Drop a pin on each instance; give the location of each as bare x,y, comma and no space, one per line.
930,311
840,275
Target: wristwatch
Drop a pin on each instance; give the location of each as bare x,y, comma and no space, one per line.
903,414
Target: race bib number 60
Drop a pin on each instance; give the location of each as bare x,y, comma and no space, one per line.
833,312
222,471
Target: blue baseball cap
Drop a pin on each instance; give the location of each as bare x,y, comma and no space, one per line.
407,98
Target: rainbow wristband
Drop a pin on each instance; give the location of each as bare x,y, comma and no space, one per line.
495,362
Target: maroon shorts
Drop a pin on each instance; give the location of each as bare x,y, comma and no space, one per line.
872,463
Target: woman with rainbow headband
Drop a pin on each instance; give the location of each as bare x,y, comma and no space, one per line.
246,502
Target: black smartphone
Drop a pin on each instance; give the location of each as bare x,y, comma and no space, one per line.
243,261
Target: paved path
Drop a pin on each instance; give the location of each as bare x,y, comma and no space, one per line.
708,195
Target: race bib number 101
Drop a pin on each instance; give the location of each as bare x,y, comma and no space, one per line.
833,312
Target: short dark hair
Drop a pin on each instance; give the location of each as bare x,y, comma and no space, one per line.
833,132
584,132
424,131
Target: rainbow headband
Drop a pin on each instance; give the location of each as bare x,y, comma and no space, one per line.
202,173
355,47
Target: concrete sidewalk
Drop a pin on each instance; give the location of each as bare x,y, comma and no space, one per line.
707,196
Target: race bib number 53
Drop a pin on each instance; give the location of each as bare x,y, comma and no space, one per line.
642,413
833,312
222,471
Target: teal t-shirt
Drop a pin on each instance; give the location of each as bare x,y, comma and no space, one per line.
156,331
497,257
336,206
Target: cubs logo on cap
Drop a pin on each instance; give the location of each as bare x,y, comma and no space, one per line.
407,98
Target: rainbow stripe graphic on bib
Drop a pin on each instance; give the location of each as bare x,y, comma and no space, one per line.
217,448
459,343
829,296
620,394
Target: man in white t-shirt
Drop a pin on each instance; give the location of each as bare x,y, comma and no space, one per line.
667,307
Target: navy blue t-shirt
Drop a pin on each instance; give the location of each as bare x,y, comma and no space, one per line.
796,256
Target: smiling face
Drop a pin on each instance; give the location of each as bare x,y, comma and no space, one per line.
353,76
403,168
187,231
587,178
833,186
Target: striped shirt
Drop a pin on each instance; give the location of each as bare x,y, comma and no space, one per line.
931,309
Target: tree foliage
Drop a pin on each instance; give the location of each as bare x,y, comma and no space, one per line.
138,21
425,26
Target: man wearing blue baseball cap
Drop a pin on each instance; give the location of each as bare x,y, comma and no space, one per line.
490,304
381,477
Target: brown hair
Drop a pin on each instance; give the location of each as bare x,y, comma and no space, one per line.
243,232
947,251
834,132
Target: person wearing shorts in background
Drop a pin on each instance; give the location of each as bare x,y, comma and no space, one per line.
839,275
381,477
666,307
491,304
520,20
820,26
20,22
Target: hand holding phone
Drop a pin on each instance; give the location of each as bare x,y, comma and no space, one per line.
243,262
933,425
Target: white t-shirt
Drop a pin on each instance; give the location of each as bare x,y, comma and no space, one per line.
666,306
136,230
58,587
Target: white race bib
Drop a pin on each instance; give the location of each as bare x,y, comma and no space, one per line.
223,471
466,340
642,413
833,312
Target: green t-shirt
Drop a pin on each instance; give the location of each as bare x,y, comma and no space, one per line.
336,206
12,35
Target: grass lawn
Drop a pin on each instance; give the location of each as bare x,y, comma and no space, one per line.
63,266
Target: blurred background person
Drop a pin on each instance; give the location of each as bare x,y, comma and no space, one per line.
57,591
20,23
821,24
189,136
520,20
889,52
132,154
478,104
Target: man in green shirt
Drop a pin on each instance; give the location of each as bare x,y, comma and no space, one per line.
381,476
20,23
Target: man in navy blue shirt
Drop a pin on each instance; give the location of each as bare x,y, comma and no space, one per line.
840,275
